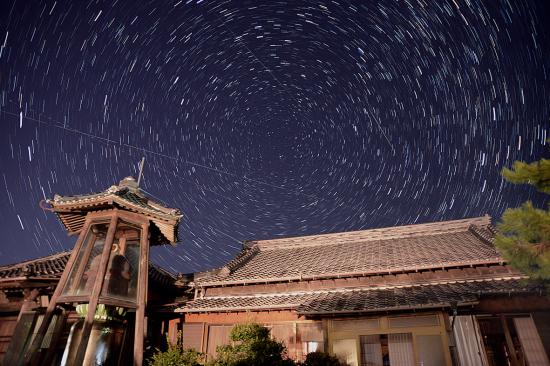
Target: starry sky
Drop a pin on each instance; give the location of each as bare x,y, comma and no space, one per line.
266,119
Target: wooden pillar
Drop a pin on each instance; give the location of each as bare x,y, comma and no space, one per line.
60,324
325,334
142,295
173,331
205,336
203,341
80,270
509,341
94,297
31,357
297,345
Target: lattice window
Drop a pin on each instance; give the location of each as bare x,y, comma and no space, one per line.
414,321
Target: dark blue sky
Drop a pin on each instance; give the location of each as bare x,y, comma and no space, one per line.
263,119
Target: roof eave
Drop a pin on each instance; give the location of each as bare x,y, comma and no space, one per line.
387,309
493,261
70,207
239,308
328,312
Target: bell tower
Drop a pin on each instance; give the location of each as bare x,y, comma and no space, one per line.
104,284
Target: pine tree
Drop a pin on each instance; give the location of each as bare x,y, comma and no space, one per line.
524,232
536,173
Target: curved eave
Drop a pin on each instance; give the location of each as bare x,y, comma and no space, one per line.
73,214
110,200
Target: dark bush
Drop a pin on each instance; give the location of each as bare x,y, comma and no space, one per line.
321,359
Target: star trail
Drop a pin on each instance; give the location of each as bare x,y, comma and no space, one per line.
266,119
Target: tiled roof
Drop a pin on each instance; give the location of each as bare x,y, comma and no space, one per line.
72,210
46,267
365,300
51,267
430,296
407,248
159,276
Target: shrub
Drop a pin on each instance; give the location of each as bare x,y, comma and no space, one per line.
251,346
176,355
321,359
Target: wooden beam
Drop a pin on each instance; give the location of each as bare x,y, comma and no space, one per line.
133,217
241,317
12,307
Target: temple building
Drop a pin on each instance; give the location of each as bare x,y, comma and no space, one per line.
99,303
428,294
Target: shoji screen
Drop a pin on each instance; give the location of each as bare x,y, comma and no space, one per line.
371,350
401,349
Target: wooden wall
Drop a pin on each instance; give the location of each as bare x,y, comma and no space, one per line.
285,326
242,317
511,304
7,327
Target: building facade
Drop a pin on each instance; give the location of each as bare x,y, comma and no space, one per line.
429,294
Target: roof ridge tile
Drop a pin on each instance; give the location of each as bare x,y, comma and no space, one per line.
392,232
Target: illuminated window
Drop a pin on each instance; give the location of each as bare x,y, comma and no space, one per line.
308,347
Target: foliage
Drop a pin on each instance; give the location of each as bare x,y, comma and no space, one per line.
176,355
536,173
524,232
524,239
321,359
251,346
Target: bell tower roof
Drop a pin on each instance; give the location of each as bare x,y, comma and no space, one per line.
72,210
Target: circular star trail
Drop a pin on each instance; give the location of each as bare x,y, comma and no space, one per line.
265,119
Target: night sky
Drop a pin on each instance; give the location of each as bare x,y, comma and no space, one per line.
266,119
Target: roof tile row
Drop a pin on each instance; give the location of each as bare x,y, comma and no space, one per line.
51,267
365,300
